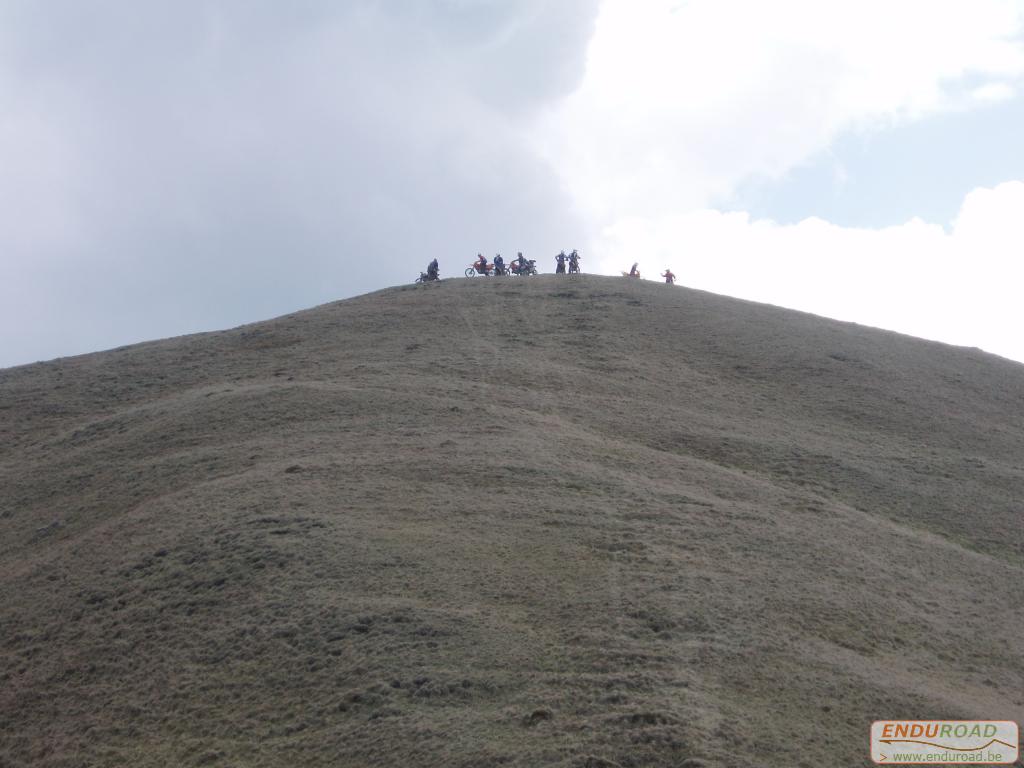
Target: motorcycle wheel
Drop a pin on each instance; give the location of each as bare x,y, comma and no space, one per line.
470,272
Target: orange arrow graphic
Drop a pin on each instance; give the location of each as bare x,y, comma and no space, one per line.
942,746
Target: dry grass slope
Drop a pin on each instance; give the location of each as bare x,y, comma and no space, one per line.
569,522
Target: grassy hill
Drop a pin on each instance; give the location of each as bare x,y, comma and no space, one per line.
557,521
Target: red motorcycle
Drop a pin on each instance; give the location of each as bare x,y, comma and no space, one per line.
524,267
477,268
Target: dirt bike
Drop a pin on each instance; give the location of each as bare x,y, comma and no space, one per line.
529,269
426,278
475,269
631,274
574,267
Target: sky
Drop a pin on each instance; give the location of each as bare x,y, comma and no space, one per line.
178,166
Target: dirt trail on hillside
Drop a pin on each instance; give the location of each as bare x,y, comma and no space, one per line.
571,521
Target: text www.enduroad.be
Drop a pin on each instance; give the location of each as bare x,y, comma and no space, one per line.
948,757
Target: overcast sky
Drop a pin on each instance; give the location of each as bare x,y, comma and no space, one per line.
175,166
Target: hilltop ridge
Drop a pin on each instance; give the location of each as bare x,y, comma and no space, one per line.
547,521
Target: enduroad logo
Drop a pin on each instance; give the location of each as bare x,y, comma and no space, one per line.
982,742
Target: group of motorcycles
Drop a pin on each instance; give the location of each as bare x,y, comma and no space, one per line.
515,267
573,260
524,266
519,266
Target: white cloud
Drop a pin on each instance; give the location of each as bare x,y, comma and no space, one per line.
962,286
991,93
682,102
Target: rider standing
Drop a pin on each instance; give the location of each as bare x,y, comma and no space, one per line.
669,277
633,271
560,263
432,270
574,261
499,264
